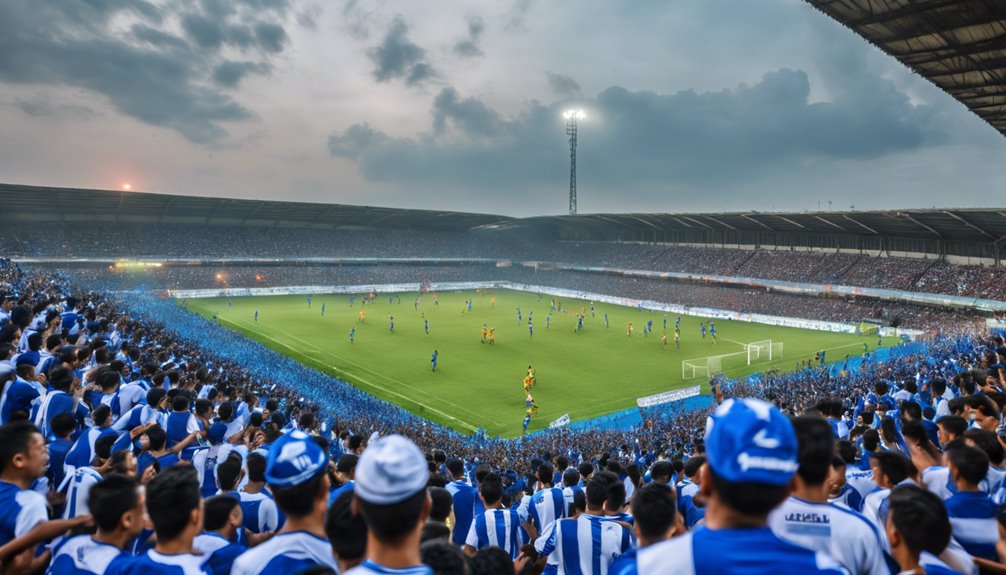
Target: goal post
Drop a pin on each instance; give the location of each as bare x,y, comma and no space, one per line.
701,367
765,349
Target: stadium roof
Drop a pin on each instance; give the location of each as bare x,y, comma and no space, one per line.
39,204
31,203
959,45
970,225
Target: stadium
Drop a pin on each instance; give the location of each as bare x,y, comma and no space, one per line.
297,375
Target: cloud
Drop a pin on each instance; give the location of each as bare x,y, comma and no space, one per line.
358,21
41,106
516,15
649,140
355,140
397,57
470,47
146,72
229,74
562,85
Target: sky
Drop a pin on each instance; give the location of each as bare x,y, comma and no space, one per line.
691,105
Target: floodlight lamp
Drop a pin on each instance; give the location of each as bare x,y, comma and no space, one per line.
574,115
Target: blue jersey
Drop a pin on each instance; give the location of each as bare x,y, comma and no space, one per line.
17,396
84,478
973,518
55,403
260,512
180,425
464,508
82,452
218,552
57,456
154,563
732,552
20,511
368,567
583,546
285,554
545,507
497,528
82,555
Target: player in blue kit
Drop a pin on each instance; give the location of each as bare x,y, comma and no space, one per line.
605,319
323,309
433,360
256,315
751,458
352,334
426,326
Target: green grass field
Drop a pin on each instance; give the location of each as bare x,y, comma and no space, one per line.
599,371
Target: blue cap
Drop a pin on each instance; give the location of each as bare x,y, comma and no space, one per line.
391,470
294,459
750,440
217,433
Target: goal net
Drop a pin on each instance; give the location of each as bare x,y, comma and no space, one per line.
763,350
702,367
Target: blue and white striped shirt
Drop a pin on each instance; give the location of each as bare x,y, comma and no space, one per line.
82,555
583,546
545,507
973,518
497,528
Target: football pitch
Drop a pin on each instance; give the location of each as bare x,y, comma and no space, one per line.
587,373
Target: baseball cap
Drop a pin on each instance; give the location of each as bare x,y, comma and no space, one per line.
391,470
294,459
751,441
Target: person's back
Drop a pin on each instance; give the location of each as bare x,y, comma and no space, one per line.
807,519
464,496
752,456
296,473
575,553
972,513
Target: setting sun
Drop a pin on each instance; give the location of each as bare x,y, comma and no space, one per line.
127,187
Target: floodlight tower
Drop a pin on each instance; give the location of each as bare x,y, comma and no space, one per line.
571,116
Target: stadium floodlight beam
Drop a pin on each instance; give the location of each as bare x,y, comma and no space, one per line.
571,117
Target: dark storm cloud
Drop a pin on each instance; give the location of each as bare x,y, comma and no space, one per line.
397,57
230,74
562,85
148,73
641,138
471,47
354,141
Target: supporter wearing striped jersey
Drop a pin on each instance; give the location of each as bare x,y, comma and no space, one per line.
118,512
391,494
256,498
23,459
972,513
464,496
918,529
570,487
259,511
807,519
496,527
176,509
85,478
296,473
218,543
752,456
657,519
545,506
588,543
839,490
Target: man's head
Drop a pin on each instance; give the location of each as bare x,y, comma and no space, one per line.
346,466
693,466
967,464
655,512
222,514
296,473
441,504
174,504
545,473
229,472
816,445
347,531
836,476
890,468
391,493
661,472
116,504
570,477
491,489
752,456
917,521
23,454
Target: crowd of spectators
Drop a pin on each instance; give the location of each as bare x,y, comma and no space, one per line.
862,270
104,393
